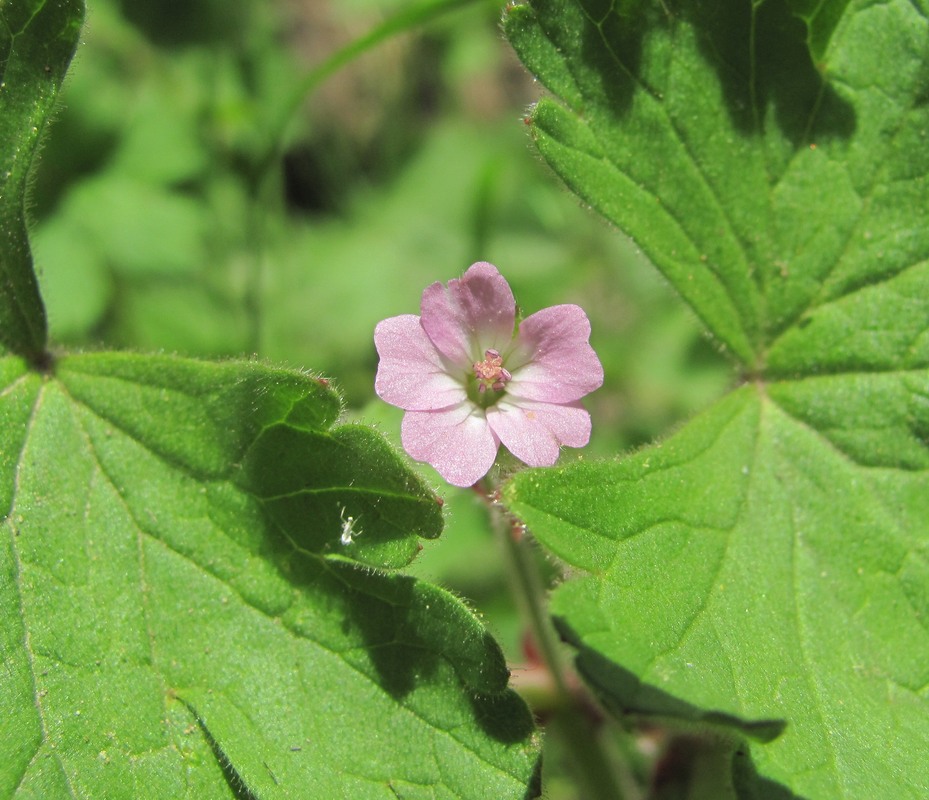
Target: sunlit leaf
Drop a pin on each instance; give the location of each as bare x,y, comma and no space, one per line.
181,618
764,572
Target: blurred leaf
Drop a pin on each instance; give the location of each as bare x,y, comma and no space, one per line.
144,229
180,618
75,282
400,237
37,41
389,246
185,316
161,142
767,565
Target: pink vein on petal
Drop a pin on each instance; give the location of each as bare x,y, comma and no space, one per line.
457,441
411,374
533,431
472,314
553,360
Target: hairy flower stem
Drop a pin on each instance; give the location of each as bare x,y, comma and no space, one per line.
529,590
598,775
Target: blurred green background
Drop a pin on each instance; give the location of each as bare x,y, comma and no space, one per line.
173,211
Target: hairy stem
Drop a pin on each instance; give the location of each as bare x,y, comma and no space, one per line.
573,720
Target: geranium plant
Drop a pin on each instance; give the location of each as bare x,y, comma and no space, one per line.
204,581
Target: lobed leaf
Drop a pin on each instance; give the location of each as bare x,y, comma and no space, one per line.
752,573
765,572
762,185
37,41
179,615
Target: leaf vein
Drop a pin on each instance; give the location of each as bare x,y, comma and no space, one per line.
164,457
820,436
18,565
699,171
704,605
8,389
144,589
721,207
830,760
862,217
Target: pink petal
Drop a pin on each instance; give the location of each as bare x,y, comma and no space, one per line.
470,315
533,432
411,373
457,441
553,360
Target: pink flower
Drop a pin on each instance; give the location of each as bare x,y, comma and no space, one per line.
469,379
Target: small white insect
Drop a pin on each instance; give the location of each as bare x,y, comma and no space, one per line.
348,528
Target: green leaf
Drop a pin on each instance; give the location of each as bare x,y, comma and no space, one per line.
765,572
821,19
75,282
180,618
751,571
37,40
144,229
759,184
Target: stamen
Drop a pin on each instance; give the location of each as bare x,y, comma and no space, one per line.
490,372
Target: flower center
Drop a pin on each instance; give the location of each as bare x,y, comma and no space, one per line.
490,373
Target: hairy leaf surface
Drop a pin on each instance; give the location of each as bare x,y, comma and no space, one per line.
180,617
766,570
37,41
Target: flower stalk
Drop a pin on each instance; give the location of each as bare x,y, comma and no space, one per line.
572,716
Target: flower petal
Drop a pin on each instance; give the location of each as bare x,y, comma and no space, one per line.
533,432
457,441
411,373
470,315
553,360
